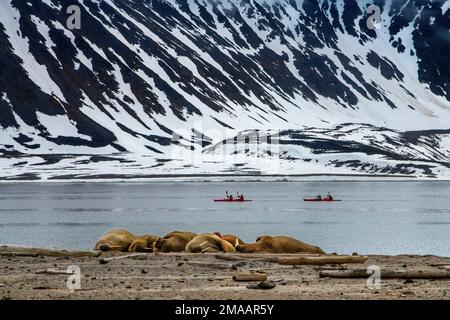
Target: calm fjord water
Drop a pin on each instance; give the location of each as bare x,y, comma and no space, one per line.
374,218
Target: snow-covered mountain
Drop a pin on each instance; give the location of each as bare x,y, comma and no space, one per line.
142,82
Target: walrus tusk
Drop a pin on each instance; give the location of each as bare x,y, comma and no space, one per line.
237,243
201,244
204,250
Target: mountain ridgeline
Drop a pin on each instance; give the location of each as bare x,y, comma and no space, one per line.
135,72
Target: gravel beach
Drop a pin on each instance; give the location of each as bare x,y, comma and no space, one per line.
188,276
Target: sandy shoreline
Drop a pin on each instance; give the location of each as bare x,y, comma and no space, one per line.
172,276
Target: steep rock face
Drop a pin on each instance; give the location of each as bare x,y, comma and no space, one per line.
136,72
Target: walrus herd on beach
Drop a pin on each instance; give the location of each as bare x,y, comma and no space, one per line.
183,241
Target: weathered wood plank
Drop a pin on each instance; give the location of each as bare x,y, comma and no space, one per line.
6,250
323,260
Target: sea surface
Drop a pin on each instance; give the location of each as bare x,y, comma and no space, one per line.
383,217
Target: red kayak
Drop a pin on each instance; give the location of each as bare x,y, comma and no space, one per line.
321,200
234,200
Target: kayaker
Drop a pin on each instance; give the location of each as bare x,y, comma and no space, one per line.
329,196
319,197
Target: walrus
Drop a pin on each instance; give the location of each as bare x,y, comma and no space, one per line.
209,242
279,244
143,243
230,238
115,240
173,242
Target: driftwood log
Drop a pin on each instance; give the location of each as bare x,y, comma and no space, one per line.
442,265
53,271
31,251
180,278
252,276
232,266
321,260
264,257
228,257
393,274
127,256
247,256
